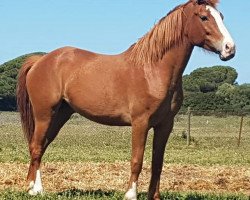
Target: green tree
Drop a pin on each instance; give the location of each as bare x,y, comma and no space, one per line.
208,79
215,88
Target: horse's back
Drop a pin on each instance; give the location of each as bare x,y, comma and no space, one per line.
49,75
93,84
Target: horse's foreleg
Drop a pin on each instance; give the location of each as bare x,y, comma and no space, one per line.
139,136
161,134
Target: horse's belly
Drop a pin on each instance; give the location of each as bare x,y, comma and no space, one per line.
107,113
107,120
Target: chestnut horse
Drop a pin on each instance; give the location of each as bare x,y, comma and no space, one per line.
141,87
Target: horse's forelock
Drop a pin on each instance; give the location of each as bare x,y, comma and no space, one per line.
214,2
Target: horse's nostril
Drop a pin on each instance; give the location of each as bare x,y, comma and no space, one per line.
228,47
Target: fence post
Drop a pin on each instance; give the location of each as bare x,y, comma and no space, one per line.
189,126
240,132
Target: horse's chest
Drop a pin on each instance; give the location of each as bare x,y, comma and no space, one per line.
161,107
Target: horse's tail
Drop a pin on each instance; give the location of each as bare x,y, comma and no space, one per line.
23,102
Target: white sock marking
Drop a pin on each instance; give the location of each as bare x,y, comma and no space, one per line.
131,194
36,188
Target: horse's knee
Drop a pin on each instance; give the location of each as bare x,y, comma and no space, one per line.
36,148
136,166
36,156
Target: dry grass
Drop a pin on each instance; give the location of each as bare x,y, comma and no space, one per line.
113,176
88,156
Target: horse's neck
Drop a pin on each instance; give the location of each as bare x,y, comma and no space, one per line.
176,59
171,67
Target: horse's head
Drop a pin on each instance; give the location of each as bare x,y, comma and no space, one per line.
205,28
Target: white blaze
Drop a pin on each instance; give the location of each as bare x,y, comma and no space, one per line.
221,26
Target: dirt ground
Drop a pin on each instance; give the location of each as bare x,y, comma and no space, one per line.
113,176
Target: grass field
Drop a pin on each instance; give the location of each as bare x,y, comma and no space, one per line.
90,157
93,195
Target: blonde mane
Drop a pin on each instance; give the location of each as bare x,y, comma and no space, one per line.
164,35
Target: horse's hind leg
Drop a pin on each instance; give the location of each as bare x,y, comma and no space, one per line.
59,119
36,148
46,129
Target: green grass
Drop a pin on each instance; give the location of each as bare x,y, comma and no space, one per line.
112,195
214,142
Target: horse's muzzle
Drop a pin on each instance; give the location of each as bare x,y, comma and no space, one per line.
228,52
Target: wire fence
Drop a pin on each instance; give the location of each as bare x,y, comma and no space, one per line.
189,125
226,123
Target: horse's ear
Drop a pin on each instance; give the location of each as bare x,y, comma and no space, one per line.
209,2
201,1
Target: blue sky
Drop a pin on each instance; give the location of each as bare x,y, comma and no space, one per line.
108,26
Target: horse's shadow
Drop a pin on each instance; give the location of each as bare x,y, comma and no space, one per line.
117,195
96,194
78,192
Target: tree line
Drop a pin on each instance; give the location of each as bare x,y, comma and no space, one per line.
214,89
207,89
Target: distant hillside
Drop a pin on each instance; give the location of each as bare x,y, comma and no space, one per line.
8,75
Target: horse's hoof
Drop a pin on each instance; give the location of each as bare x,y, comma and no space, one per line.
128,197
34,190
131,194
34,193
157,196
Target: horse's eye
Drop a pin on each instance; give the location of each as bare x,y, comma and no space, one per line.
204,18
222,16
